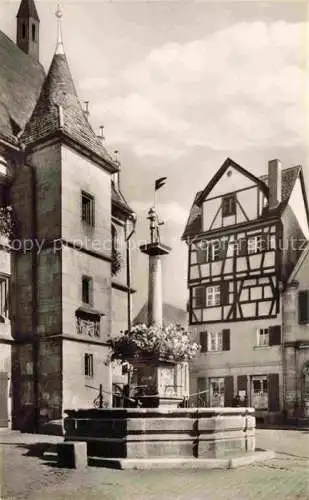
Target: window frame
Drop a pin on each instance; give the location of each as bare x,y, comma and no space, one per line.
258,245
212,294
263,333
5,297
88,215
229,205
88,365
89,281
215,341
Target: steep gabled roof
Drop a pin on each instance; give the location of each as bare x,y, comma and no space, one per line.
27,9
59,111
21,79
226,165
289,176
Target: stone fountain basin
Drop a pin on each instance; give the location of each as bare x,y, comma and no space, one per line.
151,433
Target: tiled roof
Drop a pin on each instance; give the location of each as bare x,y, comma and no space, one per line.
21,78
59,109
289,176
119,199
26,9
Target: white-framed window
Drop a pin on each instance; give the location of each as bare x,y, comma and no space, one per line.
215,341
209,251
213,295
263,337
255,244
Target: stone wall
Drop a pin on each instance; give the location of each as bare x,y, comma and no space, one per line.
296,346
153,433
79,390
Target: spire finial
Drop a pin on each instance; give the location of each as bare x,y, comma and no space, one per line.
59,14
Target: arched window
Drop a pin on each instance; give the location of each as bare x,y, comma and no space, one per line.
23,30
33,32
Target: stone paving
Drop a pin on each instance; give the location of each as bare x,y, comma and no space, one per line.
26,476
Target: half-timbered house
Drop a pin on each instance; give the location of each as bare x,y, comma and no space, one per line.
244,236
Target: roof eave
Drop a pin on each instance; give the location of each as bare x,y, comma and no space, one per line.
61,135
122,207
261,221
9,141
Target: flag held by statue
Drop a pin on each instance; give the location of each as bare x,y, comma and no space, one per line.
160,182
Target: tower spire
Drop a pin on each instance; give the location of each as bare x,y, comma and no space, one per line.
28,27
59,14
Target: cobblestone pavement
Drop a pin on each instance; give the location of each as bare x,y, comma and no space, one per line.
26,477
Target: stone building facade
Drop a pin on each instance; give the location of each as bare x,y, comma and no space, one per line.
62,295
296,340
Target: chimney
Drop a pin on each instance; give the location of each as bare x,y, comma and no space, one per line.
274,183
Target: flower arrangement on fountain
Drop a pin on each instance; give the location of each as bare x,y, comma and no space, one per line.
6,221
172,343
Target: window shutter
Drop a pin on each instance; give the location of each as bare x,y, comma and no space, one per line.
222,249
303,306
200,297
204,341
275,335
201,384
201,256
226,342
225,293
273,392
242,383
228,390
242,247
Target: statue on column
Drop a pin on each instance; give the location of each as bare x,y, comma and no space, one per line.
154,224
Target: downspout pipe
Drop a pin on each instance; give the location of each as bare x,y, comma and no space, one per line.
35,339
128,237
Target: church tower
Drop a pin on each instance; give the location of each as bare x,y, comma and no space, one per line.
28,26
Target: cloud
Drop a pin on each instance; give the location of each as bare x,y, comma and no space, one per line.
94,83
240,87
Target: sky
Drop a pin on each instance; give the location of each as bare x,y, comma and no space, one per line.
180,86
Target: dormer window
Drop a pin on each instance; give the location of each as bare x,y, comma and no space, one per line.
229,205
